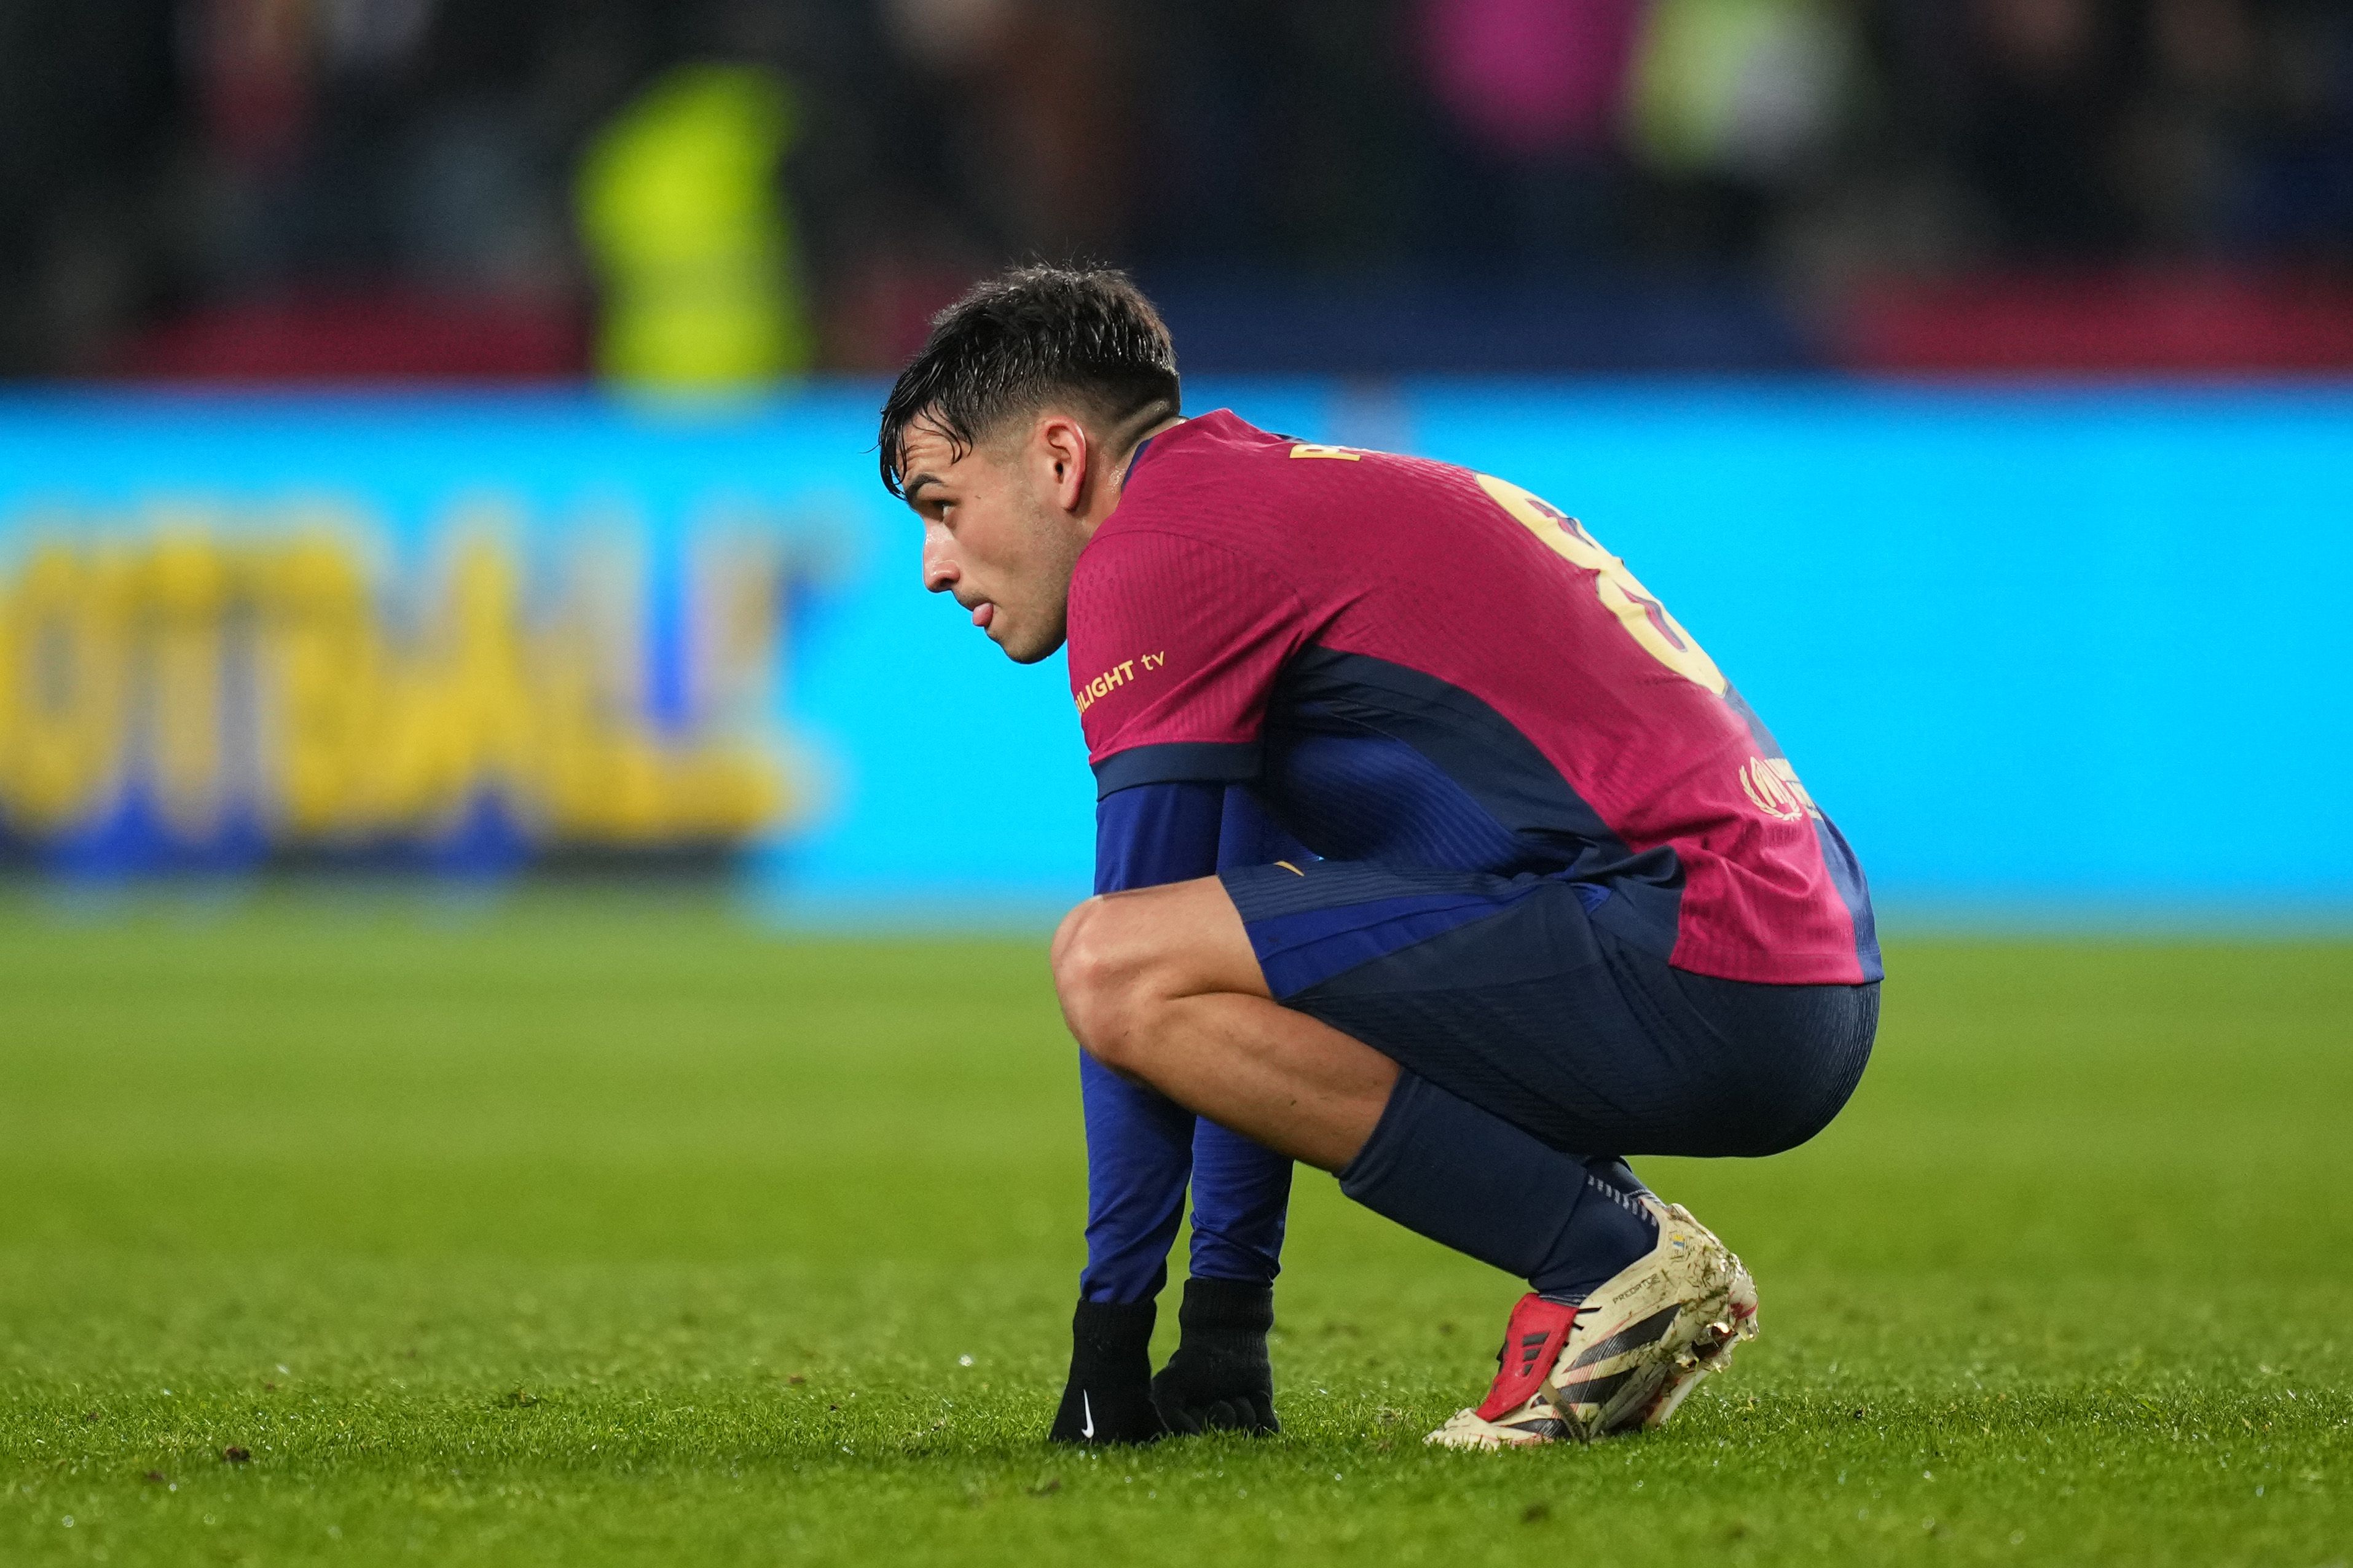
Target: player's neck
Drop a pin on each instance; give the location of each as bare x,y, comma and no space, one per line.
1115,480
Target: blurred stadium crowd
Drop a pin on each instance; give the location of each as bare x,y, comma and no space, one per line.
729,191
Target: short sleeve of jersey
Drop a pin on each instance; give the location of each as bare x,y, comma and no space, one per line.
1175,644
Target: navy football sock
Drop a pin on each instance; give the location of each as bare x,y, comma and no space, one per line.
1618,1174
1470,1180
1608,1231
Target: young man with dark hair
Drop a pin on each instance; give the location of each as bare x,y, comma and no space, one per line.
1430,851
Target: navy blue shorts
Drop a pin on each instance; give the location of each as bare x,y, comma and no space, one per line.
1504,991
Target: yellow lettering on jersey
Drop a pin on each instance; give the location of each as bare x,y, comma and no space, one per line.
1316,449
1113,678
1772,787
1766,792
1788,777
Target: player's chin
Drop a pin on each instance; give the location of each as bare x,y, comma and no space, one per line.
1028,648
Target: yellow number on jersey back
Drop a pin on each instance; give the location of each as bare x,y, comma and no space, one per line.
1645,619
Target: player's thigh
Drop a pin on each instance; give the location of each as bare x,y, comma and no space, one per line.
1119,950
1506,992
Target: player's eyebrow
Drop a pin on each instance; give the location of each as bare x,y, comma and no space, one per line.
914,484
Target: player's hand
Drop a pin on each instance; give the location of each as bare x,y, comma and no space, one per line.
1220,1379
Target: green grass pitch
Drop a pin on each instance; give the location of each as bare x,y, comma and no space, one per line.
613,1230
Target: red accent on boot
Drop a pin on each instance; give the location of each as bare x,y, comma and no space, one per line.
1532,1342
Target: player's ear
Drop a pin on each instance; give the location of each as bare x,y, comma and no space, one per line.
1063,445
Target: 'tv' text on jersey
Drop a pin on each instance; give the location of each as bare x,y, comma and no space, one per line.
1416,664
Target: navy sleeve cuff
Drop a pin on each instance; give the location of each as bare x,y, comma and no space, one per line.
1179,761
1157,833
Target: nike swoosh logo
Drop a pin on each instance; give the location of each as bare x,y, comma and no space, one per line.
1087,1405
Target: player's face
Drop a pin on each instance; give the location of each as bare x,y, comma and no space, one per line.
994,537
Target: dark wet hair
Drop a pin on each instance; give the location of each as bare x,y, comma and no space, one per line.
1024,337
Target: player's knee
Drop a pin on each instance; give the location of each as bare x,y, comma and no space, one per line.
1099,981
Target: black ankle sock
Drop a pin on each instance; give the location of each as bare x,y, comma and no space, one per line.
1220,1379
1469,1179
1108,1398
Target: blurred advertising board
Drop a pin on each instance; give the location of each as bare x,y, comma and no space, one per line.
239,634
2037,648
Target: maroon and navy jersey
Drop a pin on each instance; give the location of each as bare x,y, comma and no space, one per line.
1415,665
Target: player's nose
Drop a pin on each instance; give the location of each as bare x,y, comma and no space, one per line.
939,571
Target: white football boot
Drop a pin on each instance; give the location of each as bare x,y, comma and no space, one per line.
1628,1356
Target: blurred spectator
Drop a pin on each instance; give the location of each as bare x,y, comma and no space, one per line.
1748,90
1530,76
90,106
1735,107
2039,132
255,60
371,187
2294,194
1033,93
680,206
2181,137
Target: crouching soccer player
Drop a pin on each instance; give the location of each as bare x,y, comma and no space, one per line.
1431,851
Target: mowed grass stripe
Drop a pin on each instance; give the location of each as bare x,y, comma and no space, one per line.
613,1228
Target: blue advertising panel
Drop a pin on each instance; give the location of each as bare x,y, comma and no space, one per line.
2034,650
2037,651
